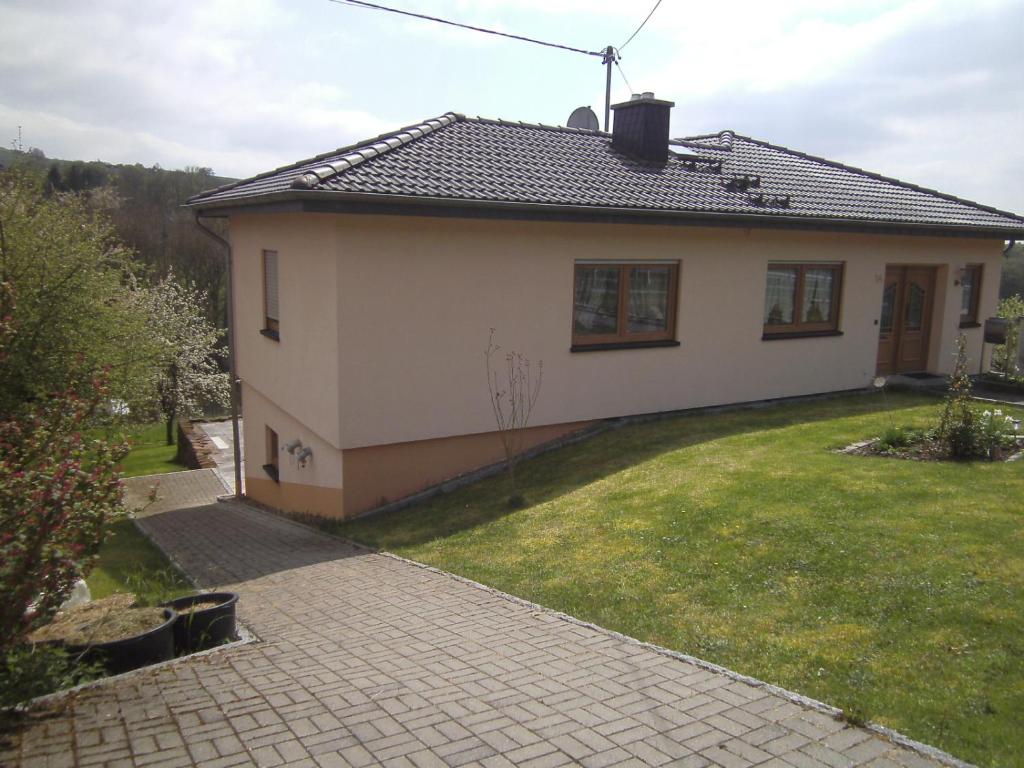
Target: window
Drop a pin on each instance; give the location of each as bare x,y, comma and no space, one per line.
970,292
624,305
802,300
271,466
271,311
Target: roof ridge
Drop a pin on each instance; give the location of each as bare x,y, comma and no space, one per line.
373,148
881,177
541,126
725,138
348,148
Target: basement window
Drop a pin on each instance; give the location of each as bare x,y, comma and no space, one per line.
271,467
802,300
619,305
970,296
271,309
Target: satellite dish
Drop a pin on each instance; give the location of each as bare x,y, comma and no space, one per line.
583,117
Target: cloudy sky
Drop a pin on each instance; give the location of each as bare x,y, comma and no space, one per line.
931,91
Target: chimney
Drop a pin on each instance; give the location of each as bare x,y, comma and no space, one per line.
641,127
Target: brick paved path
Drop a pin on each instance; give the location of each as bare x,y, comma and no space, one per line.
365,659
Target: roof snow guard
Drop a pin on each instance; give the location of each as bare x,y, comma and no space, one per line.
456,165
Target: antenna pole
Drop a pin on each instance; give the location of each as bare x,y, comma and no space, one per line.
609,58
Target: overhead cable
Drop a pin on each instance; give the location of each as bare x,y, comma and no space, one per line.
642,23
377,7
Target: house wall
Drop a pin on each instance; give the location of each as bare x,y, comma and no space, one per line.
425,300
384,320
311,489
299,372
379,474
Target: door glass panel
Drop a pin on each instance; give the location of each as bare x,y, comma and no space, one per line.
817,303
888,307
915,308
648,299
780,296
596,309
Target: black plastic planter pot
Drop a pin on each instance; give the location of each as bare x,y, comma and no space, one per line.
132,652
204,627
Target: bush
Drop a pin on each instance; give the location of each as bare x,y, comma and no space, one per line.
27,671
996,433
58,489
1004,357
895,438
957,431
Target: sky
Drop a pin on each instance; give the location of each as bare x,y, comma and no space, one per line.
929,91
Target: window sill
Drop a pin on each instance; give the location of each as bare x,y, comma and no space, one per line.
271,470
970,324
623,345
799,335
270,334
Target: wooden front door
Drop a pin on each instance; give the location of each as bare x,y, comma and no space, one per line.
906,317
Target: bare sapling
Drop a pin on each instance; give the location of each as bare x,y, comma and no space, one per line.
514,388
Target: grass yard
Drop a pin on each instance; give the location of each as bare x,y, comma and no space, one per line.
890,588
129,562
150,454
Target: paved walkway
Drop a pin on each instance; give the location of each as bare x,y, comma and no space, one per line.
366,659
222,439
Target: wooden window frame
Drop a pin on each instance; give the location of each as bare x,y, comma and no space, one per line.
624,339
971,320
272,447
271,325
799,328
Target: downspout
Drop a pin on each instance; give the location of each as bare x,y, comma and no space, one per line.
232,371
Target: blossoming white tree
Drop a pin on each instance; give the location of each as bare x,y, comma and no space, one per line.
186,369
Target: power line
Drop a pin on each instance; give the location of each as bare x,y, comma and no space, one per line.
376,7
622,74
642,23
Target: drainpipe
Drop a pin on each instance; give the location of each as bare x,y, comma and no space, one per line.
232,371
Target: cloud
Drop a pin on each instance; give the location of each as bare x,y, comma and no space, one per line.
927,90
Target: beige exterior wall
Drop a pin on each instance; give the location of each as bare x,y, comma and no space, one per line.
384,320
311,489
299,372
424,300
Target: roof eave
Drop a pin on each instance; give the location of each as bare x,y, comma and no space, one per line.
370,203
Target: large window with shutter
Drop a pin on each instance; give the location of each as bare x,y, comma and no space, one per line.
271,308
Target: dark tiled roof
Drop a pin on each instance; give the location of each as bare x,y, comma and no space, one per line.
491,161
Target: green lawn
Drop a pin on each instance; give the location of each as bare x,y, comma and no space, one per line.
129,562
150,454
893,589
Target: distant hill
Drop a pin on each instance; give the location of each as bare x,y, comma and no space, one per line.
96,170
1013,272
144,205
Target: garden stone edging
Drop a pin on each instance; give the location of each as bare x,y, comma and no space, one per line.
245,637
889,734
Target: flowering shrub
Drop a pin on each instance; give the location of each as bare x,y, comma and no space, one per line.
996,433
58,488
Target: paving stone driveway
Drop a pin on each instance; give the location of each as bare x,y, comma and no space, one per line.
364,659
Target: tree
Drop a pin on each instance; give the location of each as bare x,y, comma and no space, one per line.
513,392
76,315
58,488
187,373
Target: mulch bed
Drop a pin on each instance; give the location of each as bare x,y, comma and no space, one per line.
100,621
925,449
